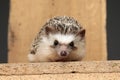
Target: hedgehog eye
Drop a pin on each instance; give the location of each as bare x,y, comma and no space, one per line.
71,44
56,42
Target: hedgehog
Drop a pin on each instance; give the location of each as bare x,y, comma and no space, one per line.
61,38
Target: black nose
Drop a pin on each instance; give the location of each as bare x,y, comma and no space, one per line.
63,53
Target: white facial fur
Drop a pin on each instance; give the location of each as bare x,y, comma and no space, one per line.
65,39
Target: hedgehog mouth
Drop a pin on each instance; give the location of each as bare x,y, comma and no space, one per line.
61,60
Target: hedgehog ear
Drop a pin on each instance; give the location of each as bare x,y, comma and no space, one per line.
49,30
82,33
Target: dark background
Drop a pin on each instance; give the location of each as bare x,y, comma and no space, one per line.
4,15
113,29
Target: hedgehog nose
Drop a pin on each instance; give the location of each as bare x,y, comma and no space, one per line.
63,53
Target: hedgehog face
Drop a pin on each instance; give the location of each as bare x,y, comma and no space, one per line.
64,37
63,44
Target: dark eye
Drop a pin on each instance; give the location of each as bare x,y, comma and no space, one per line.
71,44
56,42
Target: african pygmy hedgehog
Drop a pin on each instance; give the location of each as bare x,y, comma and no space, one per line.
61,39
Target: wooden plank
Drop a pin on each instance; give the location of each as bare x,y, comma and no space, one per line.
60,68
74,76
27,17
85,70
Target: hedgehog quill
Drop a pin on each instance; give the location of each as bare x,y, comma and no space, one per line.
62,38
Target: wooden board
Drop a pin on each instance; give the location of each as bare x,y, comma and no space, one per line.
74,76
27,17
85,70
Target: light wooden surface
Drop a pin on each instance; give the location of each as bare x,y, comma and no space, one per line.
27,17
60,67
75,76
86,70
